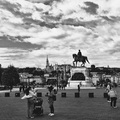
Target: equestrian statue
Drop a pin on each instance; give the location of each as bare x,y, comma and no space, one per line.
79,58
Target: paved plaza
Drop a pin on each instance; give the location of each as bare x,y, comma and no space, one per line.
68,108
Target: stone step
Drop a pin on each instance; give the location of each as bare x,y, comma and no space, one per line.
82,87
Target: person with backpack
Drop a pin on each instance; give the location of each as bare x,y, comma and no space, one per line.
113,96
51,98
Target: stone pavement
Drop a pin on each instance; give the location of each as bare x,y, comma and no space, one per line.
69,108
14,89
13,108
17,89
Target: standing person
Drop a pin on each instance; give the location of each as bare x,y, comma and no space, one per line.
108,88
20,88
78,88
23,88
113,96
30,96
51,96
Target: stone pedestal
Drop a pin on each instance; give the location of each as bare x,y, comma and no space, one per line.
80,76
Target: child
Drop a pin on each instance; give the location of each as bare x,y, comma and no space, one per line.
113,96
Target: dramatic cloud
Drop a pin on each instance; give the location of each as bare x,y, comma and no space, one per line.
32,29
91,7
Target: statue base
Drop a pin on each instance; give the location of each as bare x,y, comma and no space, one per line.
82,88
83,85
85,82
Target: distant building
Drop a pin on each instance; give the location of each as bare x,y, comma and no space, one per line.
113,78
64,67
102,73
28,78
24,77
65,71
49,67
95,77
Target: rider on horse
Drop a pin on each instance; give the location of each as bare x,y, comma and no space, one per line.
79,54
80,58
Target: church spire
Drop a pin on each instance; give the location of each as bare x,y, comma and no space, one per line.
47,62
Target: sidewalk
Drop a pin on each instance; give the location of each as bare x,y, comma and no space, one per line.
38,88
14,89
17,89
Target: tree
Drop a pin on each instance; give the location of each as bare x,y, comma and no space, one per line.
10,77
39,73
0,73
51,82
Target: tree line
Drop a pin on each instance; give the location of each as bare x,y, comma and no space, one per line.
9,76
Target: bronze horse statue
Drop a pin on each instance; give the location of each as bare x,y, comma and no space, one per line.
82,59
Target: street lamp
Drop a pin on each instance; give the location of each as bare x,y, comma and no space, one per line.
57,71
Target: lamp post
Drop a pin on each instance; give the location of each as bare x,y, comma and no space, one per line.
65,73
57,71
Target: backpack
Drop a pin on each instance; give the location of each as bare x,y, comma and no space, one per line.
54,97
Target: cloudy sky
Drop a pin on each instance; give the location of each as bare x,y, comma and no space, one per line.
32,29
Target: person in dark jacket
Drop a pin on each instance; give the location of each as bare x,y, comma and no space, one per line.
78,88
113,96
51,96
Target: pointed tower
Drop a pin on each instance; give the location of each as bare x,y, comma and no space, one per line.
47,62
49,67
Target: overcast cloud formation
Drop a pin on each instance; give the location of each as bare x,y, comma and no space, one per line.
32,29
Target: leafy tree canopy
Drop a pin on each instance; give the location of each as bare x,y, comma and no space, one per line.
10,76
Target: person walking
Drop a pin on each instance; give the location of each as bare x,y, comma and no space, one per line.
51,98
113,96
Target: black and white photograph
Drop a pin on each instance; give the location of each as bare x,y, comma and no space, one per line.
60,59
